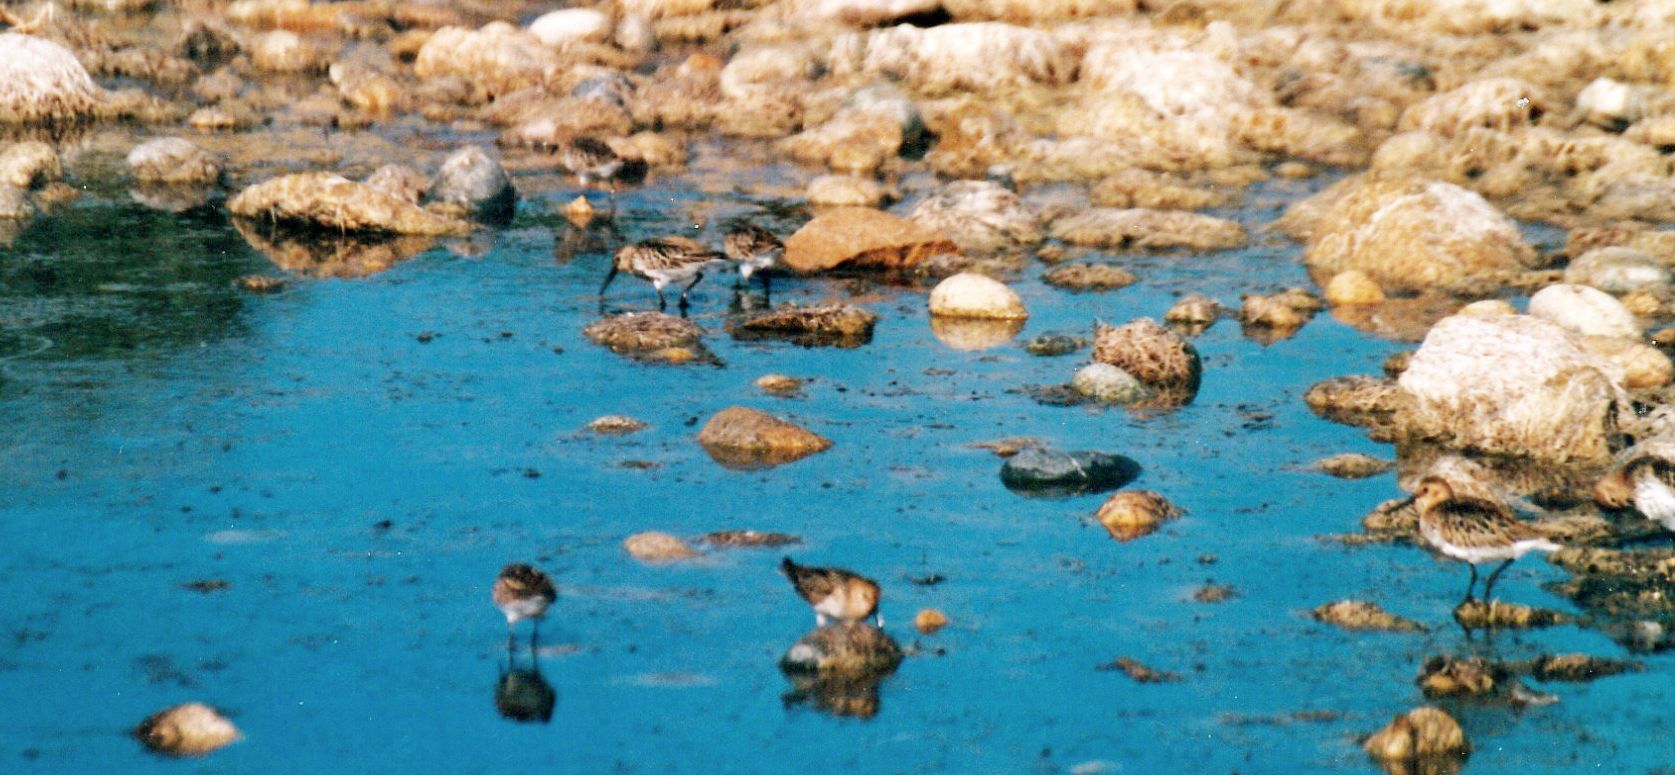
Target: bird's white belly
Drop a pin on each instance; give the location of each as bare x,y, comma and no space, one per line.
532,608
1655,500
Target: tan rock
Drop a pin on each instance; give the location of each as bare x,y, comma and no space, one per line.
1130,514
1193,310
1584,310
283,51
1353,287
1643,366
29,164
400,181
1353,465
1153,190
173,160
572,25
779,384
1155,355
979,216
1503,104
332,202
658,547
42,82
1418,734
929,620
1361,615
970,295
740,437
843,325
615,425
862,238
846,191
1141,228
498,59
1089,277
854,649
643,332
975,57
193,729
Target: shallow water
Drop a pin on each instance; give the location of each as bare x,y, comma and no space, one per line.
358,485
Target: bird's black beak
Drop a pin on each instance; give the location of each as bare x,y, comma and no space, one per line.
608,278
1405,502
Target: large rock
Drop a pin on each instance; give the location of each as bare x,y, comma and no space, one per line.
474,180
973,57
980,216
1511,385
42,82
497,59
572,25
193,729
1587,311
862,238
971,295
1418,735
332,202
1153,354
173,160
740,437
852,648
1057,474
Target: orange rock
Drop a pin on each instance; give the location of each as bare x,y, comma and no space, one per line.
862,238
930,620
739,437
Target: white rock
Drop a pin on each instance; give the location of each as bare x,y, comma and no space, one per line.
1618,270
1484,308
172,160
1611,104
1104,382
1584,310
846,191
570,25
979,216
42,81
970,295
636,34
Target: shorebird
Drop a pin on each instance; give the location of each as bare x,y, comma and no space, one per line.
522,592
754,249
662,261
1645,477
591,161
835,593
1473,530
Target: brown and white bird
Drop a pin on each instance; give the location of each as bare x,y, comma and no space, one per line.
522,592
662,261
591,161
835,593
754,249
1473,529
1645,477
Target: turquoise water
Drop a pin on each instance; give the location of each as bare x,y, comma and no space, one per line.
358,488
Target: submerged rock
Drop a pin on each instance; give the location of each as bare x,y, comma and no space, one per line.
615,425
193,729
1052,345
645,334
1107,384
335,203
1420,734
1134,513
749,539
971,295
42,82
1353,465
658,547
474,180
1158,357
929,620
1495,614
841,325
849,648
1059,474
744,438
862,238
1446,676
1366,401
1089,277
173,160
1361,615
1139,672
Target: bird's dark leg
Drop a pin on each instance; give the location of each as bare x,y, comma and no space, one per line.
698,278
1489,586
663,304
608,278
511,642
610,188
767,288
534,639
1472,584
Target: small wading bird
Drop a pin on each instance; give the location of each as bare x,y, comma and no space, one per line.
1645,478
591,161
663,261
1473,530
835,593
754,249
522,592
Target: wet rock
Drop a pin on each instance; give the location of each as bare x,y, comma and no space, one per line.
1407,233
743,438
1276,313
1353,465
970,295
571,25
1361,615
1107,384
334,203
1135,513
840,325
1587,311
41,82
1370,402
1618,270
647,335
980,216
845,648
1495,103
929,620
1214,593
1153,190
260,283
1353,287
748,539
1139,228
400,181
779,384
1089,277
862,238
1138,672
1476,614
29,164
1194,311
578,211
474,180
220,118
1050,345
1574,667
1511,385
1445,676
1059,474
173,160
657,547
313,253
1419,735
283,51
615,425
193,729
497,59
1155,355
847,191
970,334
976,57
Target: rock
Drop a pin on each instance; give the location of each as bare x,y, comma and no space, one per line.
1408,233
1009,446
639,333
1058,474
1502,104
1478,615
1134,513
851,648
970,295
615,425
283,51
779,384
1139,672
1353,287
1487,308
1420,734
970,334
1357,400
875,124
400,181
1361,615
862,238
571,25
1155,355
173,160
635,34
334,203
260,283
1089,277
29,164
1644,304
929,620
739,437
1107,384
1137,187
979,216
840,325
653,546
1214,593
193,729
472,179
1272,312
365,88
1195,310
870,13
1352,465
497,59
1575,667
1139,228
42,82
1643,366
847,191
578,211
1511,385
748,539
1585,310
976,57
1610,105
14,206
1456,677
1053,344
1618,270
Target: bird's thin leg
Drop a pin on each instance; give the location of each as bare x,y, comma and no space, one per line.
1489,586
1472,584
878,619
767,285
511,642
534,639
698,278
610,187
662,304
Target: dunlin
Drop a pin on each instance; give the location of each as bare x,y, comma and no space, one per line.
754,249
1473,530
1645,478
522,592
591,161
835,593
663,261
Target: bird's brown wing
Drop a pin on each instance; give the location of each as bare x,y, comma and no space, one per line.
812,584
1477,523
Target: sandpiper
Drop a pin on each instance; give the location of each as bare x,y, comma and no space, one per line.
591,161
754,249
835,593
662,261
1473,530
522,592
1645,477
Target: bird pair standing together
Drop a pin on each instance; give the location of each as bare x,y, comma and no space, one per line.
664,261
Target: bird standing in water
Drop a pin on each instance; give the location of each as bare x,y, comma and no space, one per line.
754,249
663,261
835,593
1473,530
591,161
1645,477
522,592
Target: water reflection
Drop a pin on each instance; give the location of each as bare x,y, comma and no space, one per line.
315,254
169,198
522,694
838,669
974,333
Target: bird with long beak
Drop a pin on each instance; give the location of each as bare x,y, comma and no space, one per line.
1472,529
662,261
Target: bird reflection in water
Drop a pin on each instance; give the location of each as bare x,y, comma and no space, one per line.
522,694
855,696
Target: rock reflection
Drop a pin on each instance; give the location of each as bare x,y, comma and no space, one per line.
974,333
169,198
315,254
523,695
838,669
